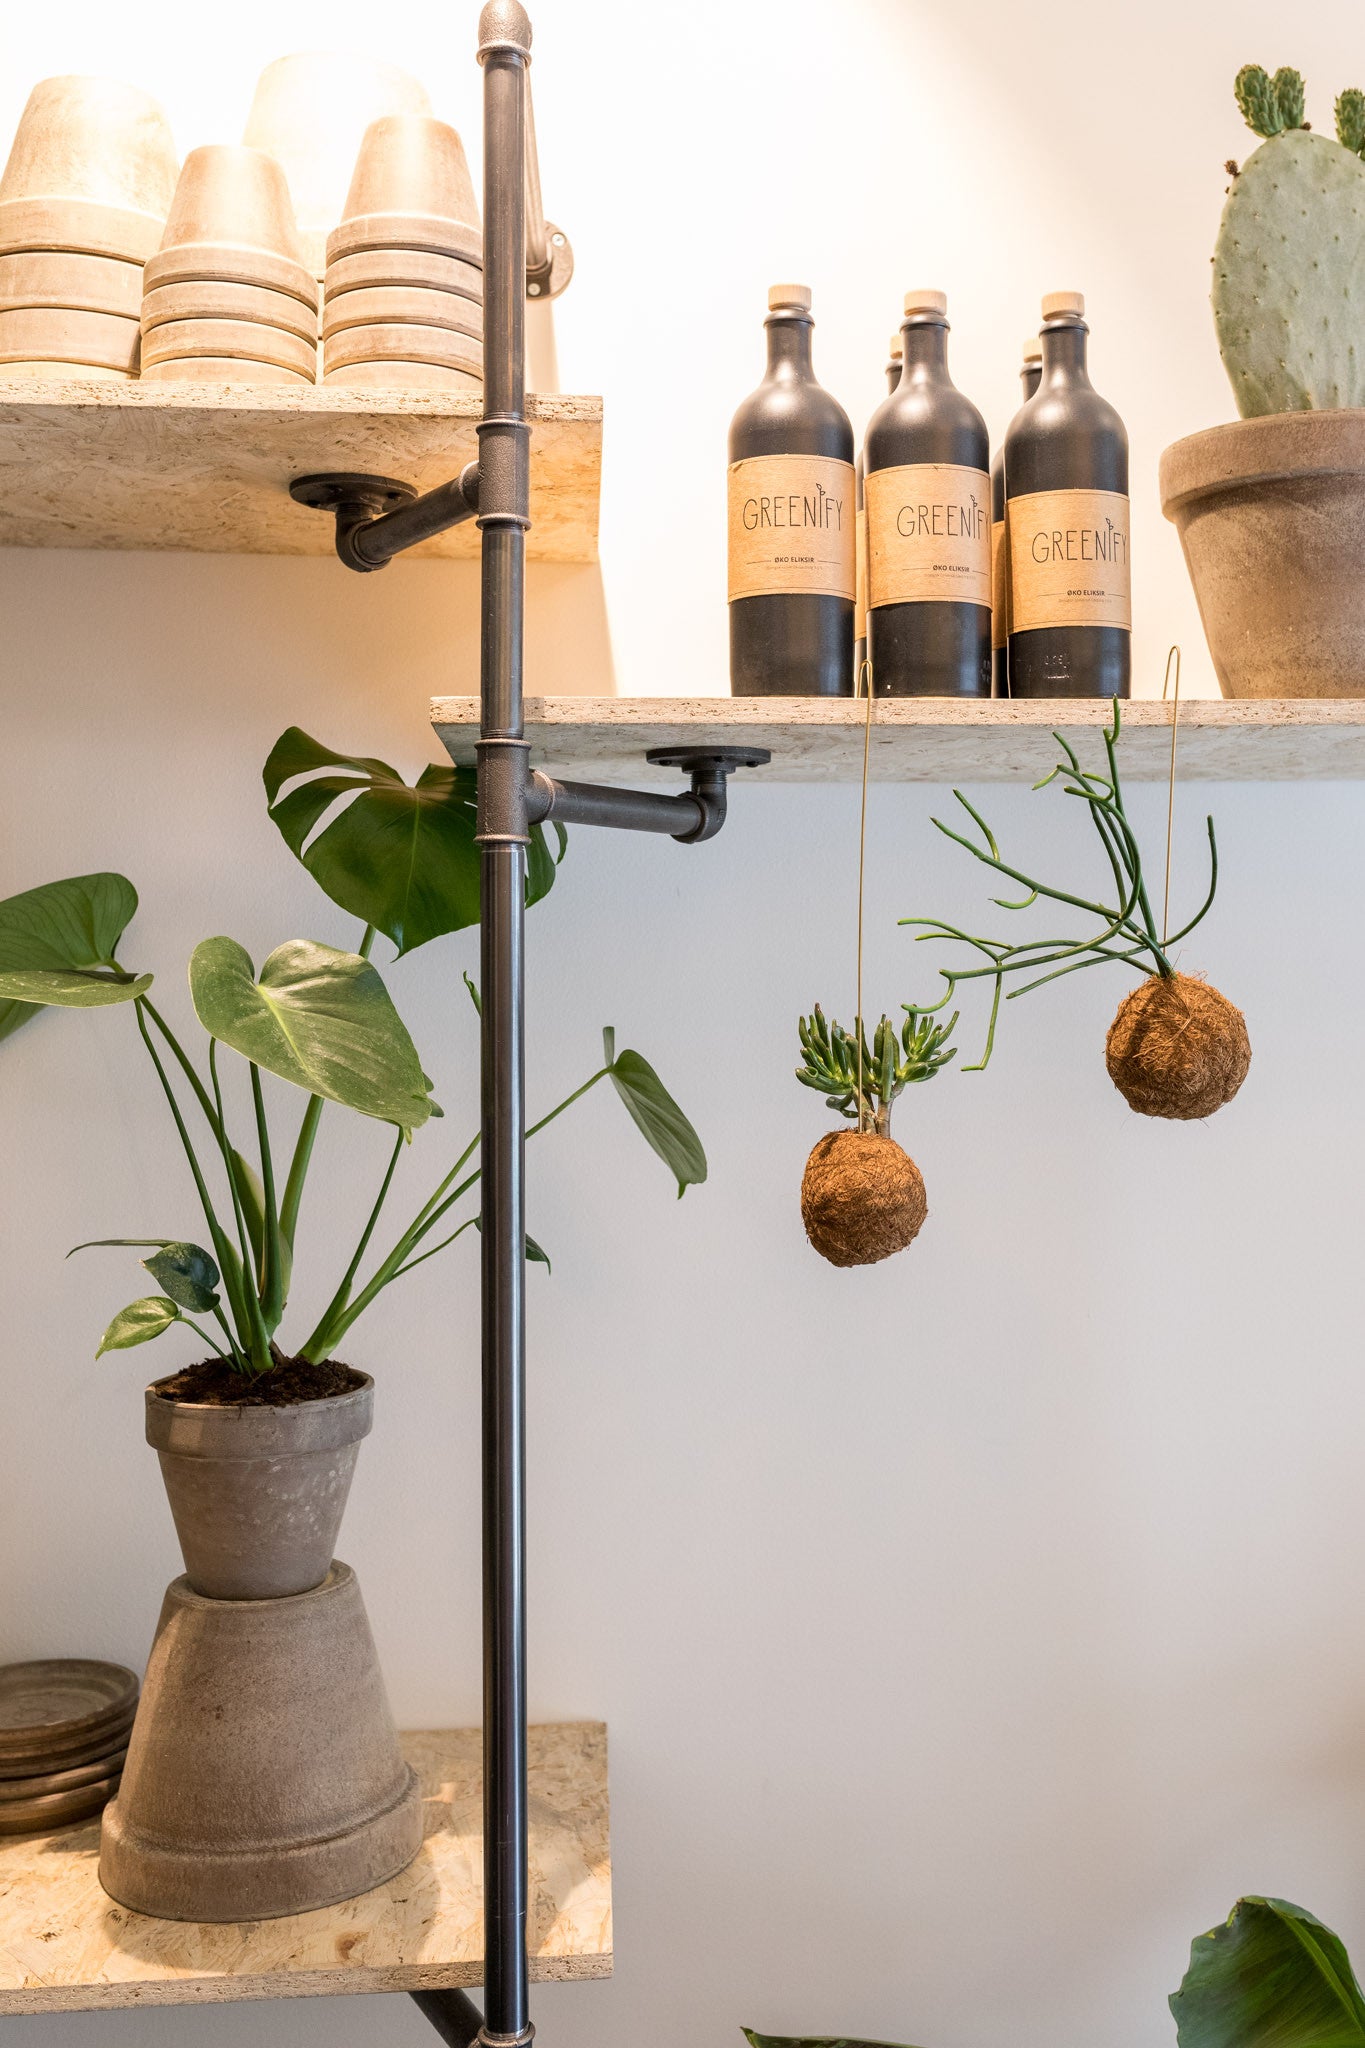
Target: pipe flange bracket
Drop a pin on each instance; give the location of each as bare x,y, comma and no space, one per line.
556,273
356,499
701,760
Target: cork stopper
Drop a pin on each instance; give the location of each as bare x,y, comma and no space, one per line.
781,297
1063,305
1033,349
895,345
926,302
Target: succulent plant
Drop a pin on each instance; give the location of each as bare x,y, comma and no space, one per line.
1289,268
865,1088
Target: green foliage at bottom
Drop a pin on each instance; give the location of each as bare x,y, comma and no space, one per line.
1271,1976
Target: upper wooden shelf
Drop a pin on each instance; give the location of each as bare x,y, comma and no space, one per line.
66,1947
932,739
208,467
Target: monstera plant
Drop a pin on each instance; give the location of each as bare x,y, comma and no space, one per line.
401,858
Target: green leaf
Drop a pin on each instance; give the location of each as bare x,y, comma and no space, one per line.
810,2041
657,1116
139,1323
188,1275
13,1014
533,1251
316,1017
1271,1977
57,946
400,855
475,998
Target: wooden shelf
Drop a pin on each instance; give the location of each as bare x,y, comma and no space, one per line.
66,1947
208,467
929,739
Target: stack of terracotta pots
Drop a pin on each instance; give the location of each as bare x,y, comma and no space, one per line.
403,296
82,202
228,297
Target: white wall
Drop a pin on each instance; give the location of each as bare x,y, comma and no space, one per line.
973,1629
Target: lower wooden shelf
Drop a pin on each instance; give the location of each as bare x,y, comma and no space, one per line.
933,739
66,1947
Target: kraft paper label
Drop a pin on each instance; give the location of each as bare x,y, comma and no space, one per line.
1000,585
860,575
928,534
791,526
1068,560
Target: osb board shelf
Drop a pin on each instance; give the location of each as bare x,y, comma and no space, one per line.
66,1947
208,467
931,739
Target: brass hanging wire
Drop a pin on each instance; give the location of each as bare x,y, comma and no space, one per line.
1172,657
862,687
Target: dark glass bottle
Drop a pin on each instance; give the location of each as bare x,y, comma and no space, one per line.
1066,496
928,493
791,523
893,378
1030,373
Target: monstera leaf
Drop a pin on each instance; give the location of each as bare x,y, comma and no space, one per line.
316,1017
656,1115
1271,1977
57,946
399,855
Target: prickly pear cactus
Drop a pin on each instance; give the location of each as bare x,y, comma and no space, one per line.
1289,269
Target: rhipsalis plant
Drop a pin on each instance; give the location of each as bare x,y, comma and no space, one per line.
1289,268
862,1196
1177,1048
401,858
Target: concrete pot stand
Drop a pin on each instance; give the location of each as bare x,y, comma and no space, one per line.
263,1773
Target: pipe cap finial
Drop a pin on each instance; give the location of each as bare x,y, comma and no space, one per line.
505,23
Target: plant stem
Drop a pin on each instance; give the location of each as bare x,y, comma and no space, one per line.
259,1358
272,1263
336,1306
232,1280
308,1130
191,1324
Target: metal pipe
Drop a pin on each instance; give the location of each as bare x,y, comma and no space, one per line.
537,237
633,810
504,501
455,2017
375,542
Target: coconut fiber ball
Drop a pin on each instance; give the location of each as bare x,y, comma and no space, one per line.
1177,1048
862,1198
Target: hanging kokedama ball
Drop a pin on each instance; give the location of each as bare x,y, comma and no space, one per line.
1177,1048
862,1198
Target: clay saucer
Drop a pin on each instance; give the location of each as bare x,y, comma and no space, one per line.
62,1781
61,1699
65,1756
56,1809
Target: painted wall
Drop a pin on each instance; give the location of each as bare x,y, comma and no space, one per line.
971,1630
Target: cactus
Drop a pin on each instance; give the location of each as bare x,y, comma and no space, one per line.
1289,269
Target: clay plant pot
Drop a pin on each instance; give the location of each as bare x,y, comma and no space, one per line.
380,376
209,299
92,169
59,278
249,339
258,1493
418,308
384,343
310,111
1271,515
408,269
103,340
411,190
264,1775
233,370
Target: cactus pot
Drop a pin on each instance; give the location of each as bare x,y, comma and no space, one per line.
1271,515
258,1493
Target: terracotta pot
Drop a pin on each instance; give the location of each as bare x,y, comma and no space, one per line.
417,308
258,1493
407,268
231,263
386,343
84,284
310,111
411,190
211,299
263,1775
380,376
1271,515
44,371
104,340
223,370
238,196
92,168
251,339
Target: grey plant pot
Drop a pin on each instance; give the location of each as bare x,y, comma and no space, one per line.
258,1493
263,1774
1271,515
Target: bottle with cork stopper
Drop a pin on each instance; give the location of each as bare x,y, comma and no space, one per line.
928,496
1030,375
893,378
791,520
1066,510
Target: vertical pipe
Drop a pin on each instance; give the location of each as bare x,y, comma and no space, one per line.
504,47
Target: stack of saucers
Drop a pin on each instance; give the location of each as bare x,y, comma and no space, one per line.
82,202
228,298
403,296
64,1727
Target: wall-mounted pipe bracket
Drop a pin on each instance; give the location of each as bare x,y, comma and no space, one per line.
378,517
689,817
